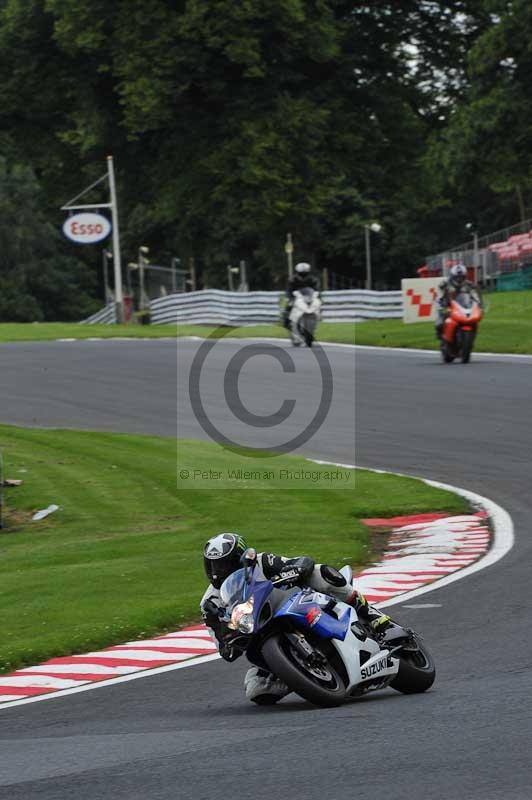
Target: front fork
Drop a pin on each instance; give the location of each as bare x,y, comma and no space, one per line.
305,649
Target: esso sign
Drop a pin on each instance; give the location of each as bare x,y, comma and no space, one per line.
87,228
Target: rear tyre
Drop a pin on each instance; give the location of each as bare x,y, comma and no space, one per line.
417,670
321,685
467,346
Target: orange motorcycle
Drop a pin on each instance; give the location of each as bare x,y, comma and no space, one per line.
460,327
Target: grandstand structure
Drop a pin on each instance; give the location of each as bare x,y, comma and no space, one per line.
502,259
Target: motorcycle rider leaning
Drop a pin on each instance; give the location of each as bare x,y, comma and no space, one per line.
449,288
222,556
301,279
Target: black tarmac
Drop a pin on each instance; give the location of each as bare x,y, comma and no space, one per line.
190,734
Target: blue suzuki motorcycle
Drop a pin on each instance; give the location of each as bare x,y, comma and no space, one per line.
317,645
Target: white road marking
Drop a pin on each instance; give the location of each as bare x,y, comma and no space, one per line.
282,340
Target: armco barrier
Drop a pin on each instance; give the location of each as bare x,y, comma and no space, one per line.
105,316
215,307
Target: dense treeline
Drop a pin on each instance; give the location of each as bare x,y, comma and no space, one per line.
234,123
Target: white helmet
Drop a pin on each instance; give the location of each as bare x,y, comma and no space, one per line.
458,274
302,267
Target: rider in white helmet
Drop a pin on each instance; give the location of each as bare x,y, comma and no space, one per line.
301,278
449,288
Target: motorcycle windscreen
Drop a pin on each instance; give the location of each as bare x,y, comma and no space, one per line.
233,588
465,299
240,585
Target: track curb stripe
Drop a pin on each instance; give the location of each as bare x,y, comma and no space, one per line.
427,551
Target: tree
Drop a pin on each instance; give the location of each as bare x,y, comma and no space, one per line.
38,280
485,149
233,124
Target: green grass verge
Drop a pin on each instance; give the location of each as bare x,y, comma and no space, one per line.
122,558
46,331
507,328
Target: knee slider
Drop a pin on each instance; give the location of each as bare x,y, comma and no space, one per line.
332,575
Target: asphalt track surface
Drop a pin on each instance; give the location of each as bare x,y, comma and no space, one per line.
190,733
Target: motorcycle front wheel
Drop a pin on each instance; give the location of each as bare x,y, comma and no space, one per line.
296,340
417,670
309,338
445,353
467,345
319,683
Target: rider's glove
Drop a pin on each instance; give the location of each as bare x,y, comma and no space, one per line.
294,572
228,652
211,614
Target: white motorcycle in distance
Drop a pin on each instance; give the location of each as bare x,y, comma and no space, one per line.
304,316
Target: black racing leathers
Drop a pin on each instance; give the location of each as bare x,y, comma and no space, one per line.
297,282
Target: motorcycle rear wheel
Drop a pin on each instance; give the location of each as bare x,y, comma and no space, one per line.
417,670
322,686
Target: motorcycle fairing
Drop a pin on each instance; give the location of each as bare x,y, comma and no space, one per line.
461,316
305,606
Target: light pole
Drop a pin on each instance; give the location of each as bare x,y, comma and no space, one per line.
106,255
243,285
174,262
289,249
230,272
142,261
376,228
471,227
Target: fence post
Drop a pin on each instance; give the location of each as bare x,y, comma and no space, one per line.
192,274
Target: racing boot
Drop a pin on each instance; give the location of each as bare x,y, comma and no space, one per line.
377,621
263,688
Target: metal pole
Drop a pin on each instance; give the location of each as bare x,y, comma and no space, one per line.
484,268
230,277
105,276
174,275
243,277
289,249
368,257
141,280
119,297
192,274
475,254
